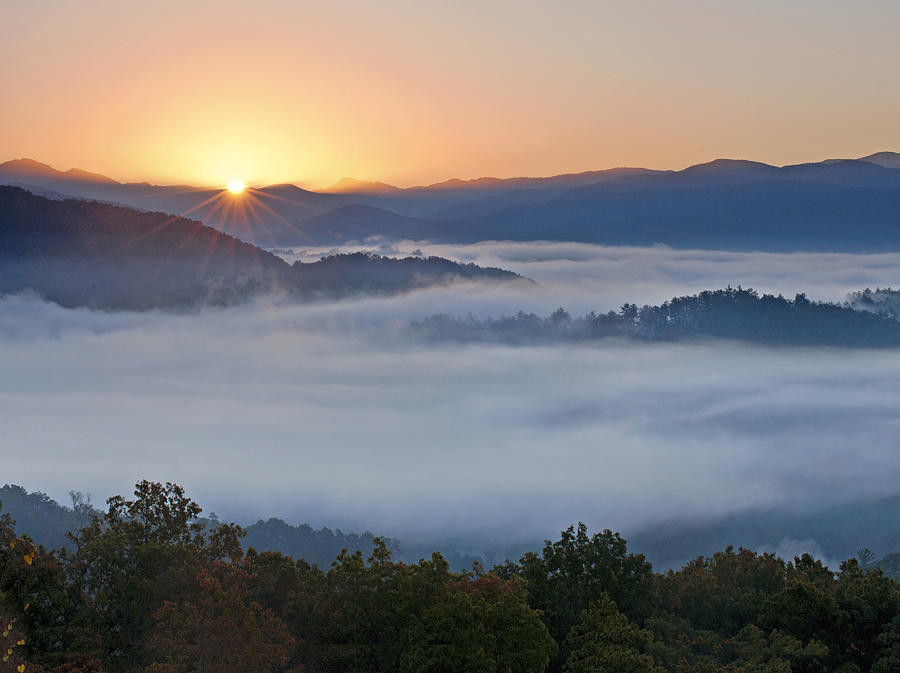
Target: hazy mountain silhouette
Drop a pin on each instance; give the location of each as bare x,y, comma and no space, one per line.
29,168
846,205
86,253
840,531
356,222
354,186
480,195
886,159
836,532
838,204
272,218
564,180
731,167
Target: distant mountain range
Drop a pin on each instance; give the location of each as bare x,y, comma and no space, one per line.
86,253
47,522
837,204
839,531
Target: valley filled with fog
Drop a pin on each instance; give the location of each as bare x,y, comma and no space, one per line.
584,277
330,413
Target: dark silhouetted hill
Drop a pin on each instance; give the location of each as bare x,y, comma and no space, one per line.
83,253
850,206
839,531
86,254
835,205
734,313
42,518
356,222
343,274
316,547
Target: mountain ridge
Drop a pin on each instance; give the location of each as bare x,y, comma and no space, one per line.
733,204
886,159
80,253
33,167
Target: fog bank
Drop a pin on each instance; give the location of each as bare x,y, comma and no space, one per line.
326,413
585,277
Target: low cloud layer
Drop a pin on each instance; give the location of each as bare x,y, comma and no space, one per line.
326,413
585,277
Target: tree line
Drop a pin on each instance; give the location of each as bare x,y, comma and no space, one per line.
145,586
731,313
48,523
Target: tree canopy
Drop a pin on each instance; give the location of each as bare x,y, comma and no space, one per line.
148,585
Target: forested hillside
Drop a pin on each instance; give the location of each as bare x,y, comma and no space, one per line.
96,255
342,274
44,520
48,523
889,565
148,587
884,301
732,313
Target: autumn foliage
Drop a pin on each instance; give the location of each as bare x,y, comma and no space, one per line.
146,587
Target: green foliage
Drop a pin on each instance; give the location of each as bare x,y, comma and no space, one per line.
148,586
722,593
889,565
605,641
732,313
484,624
579,569
752,651
126,564
46,521
216,627
319,547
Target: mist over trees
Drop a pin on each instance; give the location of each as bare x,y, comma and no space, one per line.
96,255
883,301
343,274
147,586
48,523
733,313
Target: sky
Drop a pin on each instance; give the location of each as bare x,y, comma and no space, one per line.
416,92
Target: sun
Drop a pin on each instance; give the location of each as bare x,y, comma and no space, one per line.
236,186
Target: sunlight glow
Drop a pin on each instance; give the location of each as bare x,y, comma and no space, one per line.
236,186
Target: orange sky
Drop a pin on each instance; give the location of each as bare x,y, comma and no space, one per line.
415,92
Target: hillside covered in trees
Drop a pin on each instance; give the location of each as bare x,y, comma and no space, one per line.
48,523
96,255
733,313
882,300
146,586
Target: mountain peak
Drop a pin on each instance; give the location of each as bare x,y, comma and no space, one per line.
352,185
31,168
886,159
28,165
728,165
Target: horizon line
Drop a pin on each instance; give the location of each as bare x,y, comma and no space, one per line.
301,184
